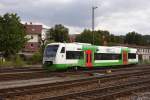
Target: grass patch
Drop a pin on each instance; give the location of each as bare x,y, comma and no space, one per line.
13,62
35,59
145,62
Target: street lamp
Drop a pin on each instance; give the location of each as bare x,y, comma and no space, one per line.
93,20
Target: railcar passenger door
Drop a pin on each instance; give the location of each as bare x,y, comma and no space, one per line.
62,54
125,57
88,57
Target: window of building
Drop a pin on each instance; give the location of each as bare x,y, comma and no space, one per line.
31,37
131,56
74,54
63,50
31,45
33,29
39,36
106,56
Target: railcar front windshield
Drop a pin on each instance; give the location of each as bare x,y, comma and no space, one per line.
51,50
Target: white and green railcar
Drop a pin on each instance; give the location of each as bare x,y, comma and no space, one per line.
58,56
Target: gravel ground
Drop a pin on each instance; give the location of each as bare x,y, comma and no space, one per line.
143,95
66,90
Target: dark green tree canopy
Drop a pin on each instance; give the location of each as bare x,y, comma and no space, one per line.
12,34
146,39
103,37
134,38
113,40
59,33
87,37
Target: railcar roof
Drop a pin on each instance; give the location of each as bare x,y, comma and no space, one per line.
76,43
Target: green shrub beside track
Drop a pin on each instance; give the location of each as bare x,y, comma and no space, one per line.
13,62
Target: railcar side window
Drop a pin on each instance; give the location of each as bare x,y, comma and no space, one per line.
106,56
63,50
131,56
74,54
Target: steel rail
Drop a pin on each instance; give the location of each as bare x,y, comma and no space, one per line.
67,84
43,73
104,93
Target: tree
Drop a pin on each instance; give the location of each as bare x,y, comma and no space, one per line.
104,36
12,34
113,40
59,33
87,37
134,38
146,39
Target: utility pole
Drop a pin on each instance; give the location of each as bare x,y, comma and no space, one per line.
93,20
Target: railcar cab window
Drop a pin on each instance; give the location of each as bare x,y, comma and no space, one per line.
62,50
51,50
74,54
131,56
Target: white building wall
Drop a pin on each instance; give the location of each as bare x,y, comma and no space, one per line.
33,38
145,53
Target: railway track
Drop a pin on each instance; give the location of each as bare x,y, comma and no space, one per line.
8,74
26,69
34,73
21,69
83,85
106,93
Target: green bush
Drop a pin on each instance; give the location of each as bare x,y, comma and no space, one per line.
6,64
145,62
14,61
36,58
18,62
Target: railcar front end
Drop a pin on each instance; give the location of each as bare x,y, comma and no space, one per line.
50,57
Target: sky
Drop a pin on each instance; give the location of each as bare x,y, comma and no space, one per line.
117,16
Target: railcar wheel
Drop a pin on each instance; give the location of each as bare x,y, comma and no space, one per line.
76,68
